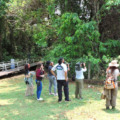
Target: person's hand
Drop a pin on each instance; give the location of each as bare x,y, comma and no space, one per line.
84,64
41,75
42,67
56,77
66,79
27,76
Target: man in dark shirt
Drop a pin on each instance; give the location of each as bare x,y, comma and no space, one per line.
52,80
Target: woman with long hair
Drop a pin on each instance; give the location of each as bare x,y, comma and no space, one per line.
52,80
28,80
111,94
39,77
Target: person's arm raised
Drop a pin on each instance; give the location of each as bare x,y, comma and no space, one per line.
66,78
85,69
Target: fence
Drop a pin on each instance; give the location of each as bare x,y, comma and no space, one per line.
7,65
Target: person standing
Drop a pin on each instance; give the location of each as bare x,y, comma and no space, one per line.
52,80
79,79
39,77
28,80
62,79
111,94
29,83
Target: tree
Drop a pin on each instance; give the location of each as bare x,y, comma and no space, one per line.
3,8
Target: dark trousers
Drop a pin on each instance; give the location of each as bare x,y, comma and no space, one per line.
61,83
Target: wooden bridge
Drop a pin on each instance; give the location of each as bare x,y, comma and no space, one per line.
6,67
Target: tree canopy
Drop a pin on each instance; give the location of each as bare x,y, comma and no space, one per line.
77,30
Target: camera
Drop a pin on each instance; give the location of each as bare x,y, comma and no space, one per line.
82,64
78,66
27,82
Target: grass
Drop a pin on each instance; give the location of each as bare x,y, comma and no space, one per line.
15,106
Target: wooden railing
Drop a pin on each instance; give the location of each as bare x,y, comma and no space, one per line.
7,65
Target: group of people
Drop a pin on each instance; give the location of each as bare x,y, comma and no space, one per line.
59,79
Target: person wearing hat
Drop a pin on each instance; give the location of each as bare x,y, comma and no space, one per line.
111,94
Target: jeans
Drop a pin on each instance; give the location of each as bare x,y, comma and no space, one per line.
52,81
39,90
61,83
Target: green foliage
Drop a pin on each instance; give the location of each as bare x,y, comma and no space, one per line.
110,3
41,37
3,7
75,37
109,47
31,26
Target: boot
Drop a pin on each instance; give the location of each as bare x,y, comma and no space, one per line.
107,108
113,107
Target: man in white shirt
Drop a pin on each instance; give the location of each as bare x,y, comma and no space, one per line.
62,79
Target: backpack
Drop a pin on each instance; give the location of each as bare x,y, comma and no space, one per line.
110,83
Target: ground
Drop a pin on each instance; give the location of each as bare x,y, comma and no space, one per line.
15,106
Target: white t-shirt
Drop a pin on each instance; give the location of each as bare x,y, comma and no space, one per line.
115,73
60,69
79,74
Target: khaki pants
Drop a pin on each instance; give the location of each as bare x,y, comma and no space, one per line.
111,96
29,90
79,87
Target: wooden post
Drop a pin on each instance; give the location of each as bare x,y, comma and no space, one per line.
89,68
0,43
17,64
5,67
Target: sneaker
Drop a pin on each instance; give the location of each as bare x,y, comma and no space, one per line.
107,108
51,93
113,107
55,94
76,97
40,99
67,100
81,98
59,101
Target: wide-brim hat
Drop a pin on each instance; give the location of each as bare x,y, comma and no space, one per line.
113,63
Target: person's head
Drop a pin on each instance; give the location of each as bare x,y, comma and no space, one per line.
60,61
81,65
39,66
51,63
78,66
113,69
27,66
113,65
47,64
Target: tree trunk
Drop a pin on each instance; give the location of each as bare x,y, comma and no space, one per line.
0,47
1,31
89,69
